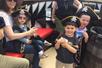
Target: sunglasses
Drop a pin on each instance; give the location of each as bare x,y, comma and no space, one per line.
22,17
11,0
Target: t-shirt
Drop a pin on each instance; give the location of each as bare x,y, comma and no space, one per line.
63,54
65,8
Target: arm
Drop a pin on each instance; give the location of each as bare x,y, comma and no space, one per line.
70,47
58,43
54,7
85,34
11,35
77,4
23,40
1,34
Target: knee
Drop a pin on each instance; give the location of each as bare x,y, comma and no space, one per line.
24,63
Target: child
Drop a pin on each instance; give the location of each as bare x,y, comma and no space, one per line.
82,30
87,16
22,17
82,35
67,44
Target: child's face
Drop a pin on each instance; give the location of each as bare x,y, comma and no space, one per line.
22,19
70,30
84,20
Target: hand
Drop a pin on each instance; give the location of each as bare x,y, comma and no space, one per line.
32,31
58,43
53,19
30,41
64,42
85,34
35,34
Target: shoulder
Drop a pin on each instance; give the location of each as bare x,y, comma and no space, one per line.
3,14
6,17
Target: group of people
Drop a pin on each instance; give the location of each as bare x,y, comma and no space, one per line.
75,37
13,26
19,37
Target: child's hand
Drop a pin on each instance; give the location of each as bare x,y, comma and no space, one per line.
58,43
29,42
35,34
63,42
32,31
85,34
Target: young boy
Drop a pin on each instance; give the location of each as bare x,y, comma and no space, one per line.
82,30
67,44
82,34
87,17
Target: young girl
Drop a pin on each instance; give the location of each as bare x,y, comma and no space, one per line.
67,44
24,44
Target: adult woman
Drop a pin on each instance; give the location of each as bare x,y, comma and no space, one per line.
10,62
5,61
8,22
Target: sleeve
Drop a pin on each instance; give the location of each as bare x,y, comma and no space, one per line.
2,24
23,40
6,17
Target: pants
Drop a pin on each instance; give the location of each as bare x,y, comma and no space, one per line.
29,49
12,62
63,65
37,44
36,59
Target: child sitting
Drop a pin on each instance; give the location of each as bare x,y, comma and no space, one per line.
21,18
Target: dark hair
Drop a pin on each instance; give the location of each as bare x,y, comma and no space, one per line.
71,23
84,14
3,5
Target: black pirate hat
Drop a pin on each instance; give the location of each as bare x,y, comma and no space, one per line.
21,12
71,20
89,11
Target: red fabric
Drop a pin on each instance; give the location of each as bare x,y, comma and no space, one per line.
14,54
44,32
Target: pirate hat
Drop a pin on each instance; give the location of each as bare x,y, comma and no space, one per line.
71,20
21,12
89,11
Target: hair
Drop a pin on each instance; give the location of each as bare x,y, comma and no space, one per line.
71,23
84,14
4,7
16,20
